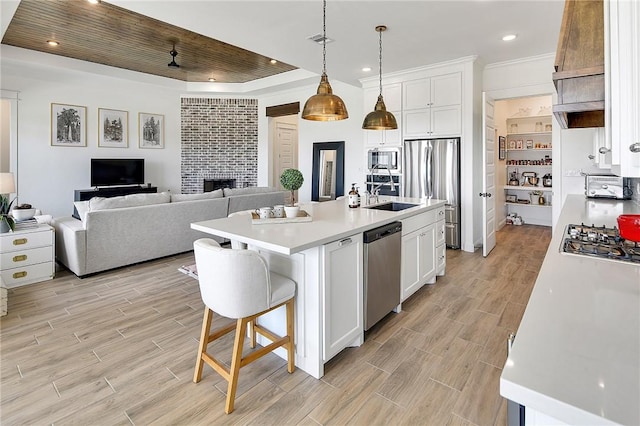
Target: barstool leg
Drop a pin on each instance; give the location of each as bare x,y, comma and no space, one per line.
204,341
252,333
291,357
235,364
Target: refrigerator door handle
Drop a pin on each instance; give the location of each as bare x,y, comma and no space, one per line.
429,171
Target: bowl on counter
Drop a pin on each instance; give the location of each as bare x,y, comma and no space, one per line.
629,225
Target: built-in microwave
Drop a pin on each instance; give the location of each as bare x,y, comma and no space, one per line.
379,159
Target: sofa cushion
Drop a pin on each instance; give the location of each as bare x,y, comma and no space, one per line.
131,200
82,207
250,190
218,193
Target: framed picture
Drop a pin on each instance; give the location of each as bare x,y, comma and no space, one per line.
510,198
502,147
512,144
151,130
113,128
68,125
529,144
519,144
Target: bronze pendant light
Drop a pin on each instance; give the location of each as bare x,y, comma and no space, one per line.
380,118
324,105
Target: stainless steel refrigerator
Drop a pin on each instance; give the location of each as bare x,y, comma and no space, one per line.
432,170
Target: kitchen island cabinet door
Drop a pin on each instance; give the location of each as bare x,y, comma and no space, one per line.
418,260
343,315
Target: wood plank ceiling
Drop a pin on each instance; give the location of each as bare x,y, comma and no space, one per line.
110,35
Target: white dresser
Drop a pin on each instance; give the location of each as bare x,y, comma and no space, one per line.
27,256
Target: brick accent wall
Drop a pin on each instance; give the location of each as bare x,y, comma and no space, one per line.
219,140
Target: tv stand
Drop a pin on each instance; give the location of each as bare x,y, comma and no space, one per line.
108,192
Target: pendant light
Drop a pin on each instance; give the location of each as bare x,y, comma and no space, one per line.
324,105
380,118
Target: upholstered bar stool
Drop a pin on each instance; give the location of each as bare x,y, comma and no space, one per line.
237,244
238,284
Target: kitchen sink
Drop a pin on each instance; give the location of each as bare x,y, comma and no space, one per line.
392,206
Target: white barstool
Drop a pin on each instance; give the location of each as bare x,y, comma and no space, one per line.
237,244
238,284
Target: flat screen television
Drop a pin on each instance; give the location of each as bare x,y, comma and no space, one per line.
117,171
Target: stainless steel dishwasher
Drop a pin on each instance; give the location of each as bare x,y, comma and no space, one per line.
381,272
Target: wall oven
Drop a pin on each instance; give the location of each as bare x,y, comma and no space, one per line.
380,159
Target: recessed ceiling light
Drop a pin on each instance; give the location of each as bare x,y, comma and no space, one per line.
509,37
52,43
366,69
273,61
94,1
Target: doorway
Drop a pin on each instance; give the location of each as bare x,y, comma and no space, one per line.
285,148
525,124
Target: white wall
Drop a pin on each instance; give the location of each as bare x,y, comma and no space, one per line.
48,175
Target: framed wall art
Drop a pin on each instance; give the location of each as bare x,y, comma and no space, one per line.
68,125
519,144
502,147
150,130
113,128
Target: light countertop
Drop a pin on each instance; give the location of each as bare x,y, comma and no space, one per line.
576,355
332,220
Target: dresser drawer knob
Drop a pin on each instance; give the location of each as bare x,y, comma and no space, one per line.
20,258
20,274
19,241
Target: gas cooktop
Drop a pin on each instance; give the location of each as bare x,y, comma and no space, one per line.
600,242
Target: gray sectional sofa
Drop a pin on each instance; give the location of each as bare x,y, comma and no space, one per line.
120,231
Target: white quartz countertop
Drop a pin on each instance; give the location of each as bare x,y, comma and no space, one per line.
332,221
576,355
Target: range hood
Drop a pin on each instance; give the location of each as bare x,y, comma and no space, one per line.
579,65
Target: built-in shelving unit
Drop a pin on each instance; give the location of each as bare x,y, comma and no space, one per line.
528,153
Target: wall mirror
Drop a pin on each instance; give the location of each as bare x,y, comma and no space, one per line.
328,171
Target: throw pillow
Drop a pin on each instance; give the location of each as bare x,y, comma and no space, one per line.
218,193
82,207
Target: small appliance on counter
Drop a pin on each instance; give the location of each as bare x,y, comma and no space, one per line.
546,180
607,186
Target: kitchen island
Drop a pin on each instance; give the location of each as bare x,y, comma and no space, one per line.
325,259
576,355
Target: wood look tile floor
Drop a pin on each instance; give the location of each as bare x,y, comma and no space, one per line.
119,348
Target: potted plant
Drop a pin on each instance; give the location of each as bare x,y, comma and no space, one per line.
291,180
6,222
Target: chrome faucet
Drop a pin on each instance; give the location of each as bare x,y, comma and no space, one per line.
375,190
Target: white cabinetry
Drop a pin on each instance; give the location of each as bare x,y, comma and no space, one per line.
432,106
528,153
622,82
421,235
343,315
27,256
392,94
